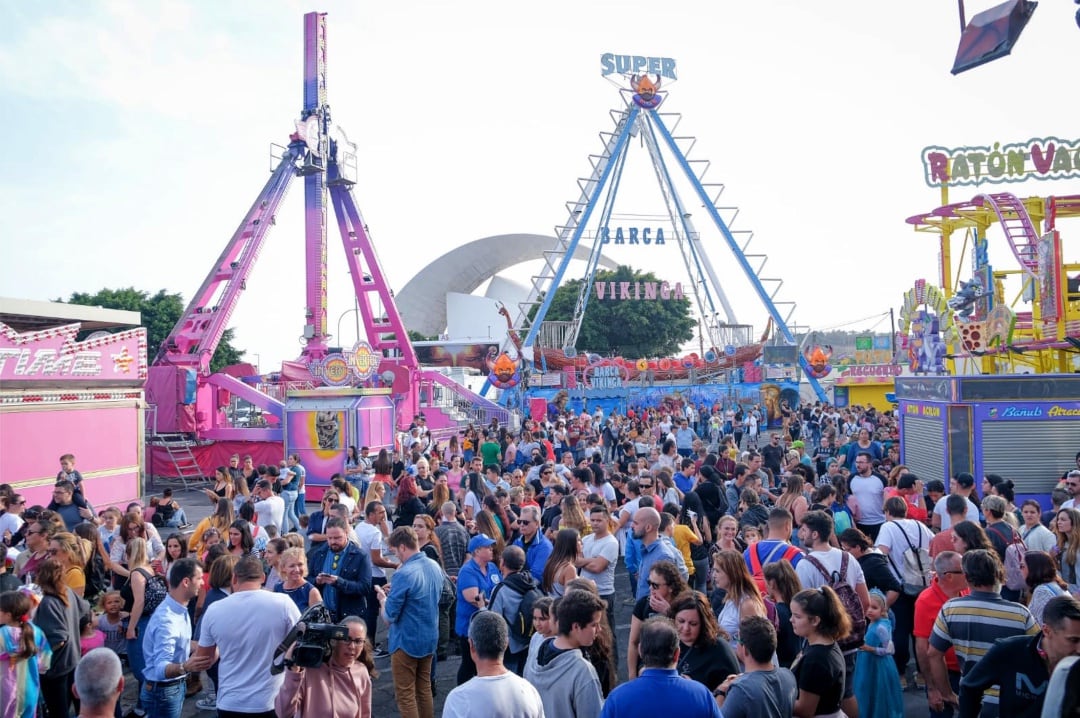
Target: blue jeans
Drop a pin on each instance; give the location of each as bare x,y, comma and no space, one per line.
164,701
135,653
301,506
291,522
179,519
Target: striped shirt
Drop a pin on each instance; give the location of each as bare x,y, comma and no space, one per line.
971,624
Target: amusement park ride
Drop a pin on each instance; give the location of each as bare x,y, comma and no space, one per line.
1021,319
730,344
189,400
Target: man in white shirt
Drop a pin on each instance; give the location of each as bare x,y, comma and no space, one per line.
374,534
868,493
600,553
963,484
269,507
494,691
814,533
1072,485
241,631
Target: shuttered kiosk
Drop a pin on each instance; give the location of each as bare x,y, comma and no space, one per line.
1025,428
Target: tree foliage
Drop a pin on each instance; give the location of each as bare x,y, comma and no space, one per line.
627,328
160,313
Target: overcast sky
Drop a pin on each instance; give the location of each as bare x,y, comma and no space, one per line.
137,135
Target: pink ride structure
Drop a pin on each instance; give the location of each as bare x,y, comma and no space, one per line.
191,402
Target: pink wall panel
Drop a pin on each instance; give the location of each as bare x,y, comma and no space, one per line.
102,438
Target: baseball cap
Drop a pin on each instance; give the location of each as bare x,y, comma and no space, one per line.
480,541
965,479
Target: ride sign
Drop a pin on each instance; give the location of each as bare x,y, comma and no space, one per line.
53,354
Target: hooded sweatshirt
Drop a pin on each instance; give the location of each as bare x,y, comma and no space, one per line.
567,682
327,690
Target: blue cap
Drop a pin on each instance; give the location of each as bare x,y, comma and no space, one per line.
480,541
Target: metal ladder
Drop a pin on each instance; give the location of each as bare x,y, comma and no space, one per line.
186,470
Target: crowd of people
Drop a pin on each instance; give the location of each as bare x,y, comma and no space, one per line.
800,570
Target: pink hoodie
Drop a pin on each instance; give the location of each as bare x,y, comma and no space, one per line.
328,691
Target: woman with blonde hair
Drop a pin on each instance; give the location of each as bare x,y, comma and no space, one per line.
727,535
135,598
294,583
427,539
742,598
573,517
376,492
221,519
67,549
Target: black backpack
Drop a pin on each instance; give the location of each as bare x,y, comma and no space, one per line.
521,624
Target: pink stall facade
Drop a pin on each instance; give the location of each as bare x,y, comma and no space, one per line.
321,424
62,396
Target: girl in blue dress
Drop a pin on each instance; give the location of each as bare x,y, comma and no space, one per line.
877,682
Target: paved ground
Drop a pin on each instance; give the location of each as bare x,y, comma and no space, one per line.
384,703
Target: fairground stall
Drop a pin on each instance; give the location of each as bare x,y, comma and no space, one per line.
1010,333
1025,428
68,386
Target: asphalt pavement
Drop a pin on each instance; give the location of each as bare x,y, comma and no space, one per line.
384,703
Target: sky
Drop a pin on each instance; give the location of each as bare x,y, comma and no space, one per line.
138,135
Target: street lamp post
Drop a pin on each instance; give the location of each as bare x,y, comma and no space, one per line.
343,315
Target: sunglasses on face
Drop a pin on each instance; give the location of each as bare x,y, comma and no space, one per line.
655,585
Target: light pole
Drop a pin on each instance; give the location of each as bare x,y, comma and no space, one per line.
355,310
257,362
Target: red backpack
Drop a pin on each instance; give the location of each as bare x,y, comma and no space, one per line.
781,551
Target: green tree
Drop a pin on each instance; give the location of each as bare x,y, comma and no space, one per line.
160,313
628,328
415,336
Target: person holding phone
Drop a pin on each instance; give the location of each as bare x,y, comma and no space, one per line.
342,572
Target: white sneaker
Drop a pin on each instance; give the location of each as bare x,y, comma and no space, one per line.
208,702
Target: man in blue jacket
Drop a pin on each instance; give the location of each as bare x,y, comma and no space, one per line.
532,541
342,572
408,605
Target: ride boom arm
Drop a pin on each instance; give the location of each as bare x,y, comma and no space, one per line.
195,338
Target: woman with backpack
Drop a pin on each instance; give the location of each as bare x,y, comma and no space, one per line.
142,593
